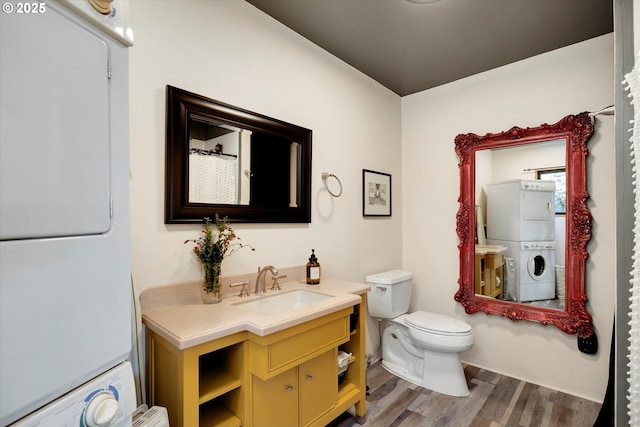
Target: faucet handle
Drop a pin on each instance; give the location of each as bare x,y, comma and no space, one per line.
276,285
243,292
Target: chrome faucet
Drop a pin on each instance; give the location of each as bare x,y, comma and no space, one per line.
260,289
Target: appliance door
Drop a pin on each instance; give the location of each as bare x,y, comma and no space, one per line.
538,205
538,215
538,266
65,306
537,278
54,155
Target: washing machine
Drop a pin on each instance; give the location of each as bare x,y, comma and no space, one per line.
532,275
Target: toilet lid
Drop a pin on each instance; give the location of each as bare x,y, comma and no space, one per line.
437,323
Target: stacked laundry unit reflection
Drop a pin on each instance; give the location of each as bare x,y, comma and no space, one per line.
521,216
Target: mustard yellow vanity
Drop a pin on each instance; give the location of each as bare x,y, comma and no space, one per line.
222,366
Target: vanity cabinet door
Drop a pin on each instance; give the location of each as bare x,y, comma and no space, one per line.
303,393
318,380
275,401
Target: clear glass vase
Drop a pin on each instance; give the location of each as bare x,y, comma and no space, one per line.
211,286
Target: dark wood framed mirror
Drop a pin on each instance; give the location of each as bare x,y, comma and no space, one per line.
495,268
236,163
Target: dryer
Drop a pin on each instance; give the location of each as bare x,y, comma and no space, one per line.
521,210
532,270
65,287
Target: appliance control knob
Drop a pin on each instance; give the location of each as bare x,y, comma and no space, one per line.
101,409
103,7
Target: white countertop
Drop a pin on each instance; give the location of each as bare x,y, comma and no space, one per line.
490,249
189,324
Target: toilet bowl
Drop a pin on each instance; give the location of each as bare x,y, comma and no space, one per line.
421,347
438,332
426,358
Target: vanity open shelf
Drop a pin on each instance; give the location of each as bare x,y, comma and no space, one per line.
285,378
199,386
217,415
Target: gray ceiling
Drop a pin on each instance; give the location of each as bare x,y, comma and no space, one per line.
410,47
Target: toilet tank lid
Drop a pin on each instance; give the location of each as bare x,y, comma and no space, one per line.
389,277
438,323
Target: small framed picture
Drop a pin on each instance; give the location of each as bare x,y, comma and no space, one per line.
376,193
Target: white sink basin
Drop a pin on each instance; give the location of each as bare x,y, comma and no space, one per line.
282,301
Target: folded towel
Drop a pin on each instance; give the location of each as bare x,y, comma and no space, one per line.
343,359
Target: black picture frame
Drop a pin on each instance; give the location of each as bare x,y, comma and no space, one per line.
376,193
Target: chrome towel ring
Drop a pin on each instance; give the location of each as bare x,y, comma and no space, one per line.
325,177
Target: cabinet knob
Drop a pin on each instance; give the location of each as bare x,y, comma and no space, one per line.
288,388
309,377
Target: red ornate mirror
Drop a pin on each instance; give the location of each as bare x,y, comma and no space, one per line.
486,285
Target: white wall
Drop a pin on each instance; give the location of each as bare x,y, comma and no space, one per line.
234,53
538,90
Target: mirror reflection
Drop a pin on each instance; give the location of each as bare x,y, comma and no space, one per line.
214,162
234,166
520,200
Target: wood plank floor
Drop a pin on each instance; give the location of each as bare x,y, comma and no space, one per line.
495,401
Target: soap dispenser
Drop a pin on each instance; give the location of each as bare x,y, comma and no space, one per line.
313,269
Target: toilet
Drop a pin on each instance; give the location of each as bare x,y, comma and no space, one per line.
420,347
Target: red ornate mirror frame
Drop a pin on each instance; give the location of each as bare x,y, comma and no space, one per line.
576,130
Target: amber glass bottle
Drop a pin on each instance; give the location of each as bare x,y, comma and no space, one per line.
313,269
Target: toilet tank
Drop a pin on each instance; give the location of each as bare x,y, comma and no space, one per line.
390,293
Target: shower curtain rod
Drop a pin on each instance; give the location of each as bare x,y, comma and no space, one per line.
543,169
210,152
606,111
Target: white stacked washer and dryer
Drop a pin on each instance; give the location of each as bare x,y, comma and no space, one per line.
521,216
65,289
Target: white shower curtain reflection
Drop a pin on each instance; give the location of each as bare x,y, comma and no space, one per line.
213,179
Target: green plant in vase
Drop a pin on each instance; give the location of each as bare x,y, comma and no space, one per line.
217,242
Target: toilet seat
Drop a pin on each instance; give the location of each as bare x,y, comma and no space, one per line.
437,323
428,338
